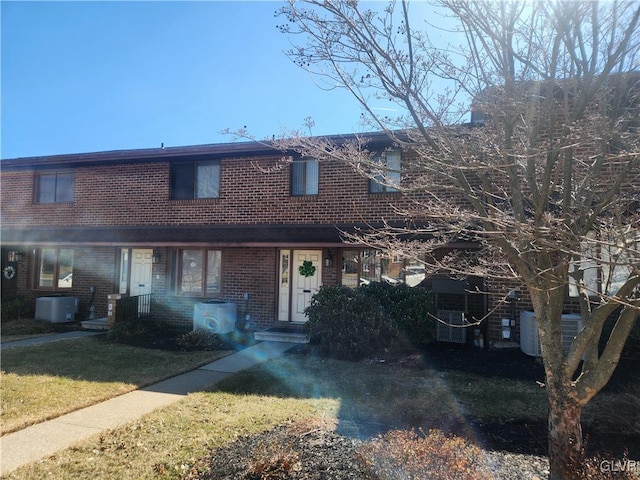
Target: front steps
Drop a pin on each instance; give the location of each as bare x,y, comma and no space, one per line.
95,324
286,333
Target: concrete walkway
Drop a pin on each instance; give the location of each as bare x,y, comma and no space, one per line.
47,338
44,439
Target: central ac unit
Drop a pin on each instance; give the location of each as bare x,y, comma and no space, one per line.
56,309
529,337
447,329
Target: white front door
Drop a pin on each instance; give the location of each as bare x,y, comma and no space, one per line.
141,274
298,282
306,278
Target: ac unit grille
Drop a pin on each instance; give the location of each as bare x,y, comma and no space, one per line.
445,332
529,337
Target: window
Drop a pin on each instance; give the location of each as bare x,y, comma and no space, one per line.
54,268
361,267
199,271
606,263
195,180
304,177
55,187
386,178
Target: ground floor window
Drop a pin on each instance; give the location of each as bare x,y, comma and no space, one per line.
54,268
363,266
199,271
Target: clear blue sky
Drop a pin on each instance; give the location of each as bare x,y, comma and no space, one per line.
93,76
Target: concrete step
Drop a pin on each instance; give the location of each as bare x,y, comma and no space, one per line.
282,335
95,324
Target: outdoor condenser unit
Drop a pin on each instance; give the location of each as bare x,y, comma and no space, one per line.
215,316
445,332
56,309
529,337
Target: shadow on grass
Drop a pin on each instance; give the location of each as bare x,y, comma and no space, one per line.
95,360
491,398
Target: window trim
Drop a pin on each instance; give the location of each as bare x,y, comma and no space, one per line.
194,181
37,263
381,159
303,162
179,271
37,190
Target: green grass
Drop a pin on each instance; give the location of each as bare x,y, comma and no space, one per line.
167,443
363,398
45,381
389,396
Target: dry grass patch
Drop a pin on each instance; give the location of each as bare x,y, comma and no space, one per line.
46,381
169,443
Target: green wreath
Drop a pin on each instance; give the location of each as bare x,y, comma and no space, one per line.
307,269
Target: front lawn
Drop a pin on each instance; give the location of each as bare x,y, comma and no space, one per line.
490,398
46,381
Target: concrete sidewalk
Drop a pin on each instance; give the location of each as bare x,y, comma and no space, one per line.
47,338
44,439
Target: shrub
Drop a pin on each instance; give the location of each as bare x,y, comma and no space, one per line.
198,340
408,307
355,323
349,324
14,308
401,454
130,331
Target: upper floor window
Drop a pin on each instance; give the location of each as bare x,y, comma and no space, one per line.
387,176
304,177
199,271
54,268
55,187
195,180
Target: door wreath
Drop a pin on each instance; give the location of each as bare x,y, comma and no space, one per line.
307,269
9,272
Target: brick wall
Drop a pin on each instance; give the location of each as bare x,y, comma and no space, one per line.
139,194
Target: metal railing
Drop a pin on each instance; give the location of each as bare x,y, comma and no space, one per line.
132,308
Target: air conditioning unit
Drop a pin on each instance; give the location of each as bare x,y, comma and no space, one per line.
445,332
215,316
529,338
56,309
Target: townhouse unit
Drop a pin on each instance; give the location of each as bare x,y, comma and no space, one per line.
230,222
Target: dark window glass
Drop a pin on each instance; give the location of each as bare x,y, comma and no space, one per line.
195,180
304,177
387,177
56,187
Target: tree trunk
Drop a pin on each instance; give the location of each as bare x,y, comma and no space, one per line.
565,432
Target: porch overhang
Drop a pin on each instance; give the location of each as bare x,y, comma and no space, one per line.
262,235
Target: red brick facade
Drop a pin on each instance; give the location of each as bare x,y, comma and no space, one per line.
131,189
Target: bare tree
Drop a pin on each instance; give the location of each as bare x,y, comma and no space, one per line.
546,183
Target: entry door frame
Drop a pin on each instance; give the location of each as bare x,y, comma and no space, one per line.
128,263
290,303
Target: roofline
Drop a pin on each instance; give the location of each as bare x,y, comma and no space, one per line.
219,150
